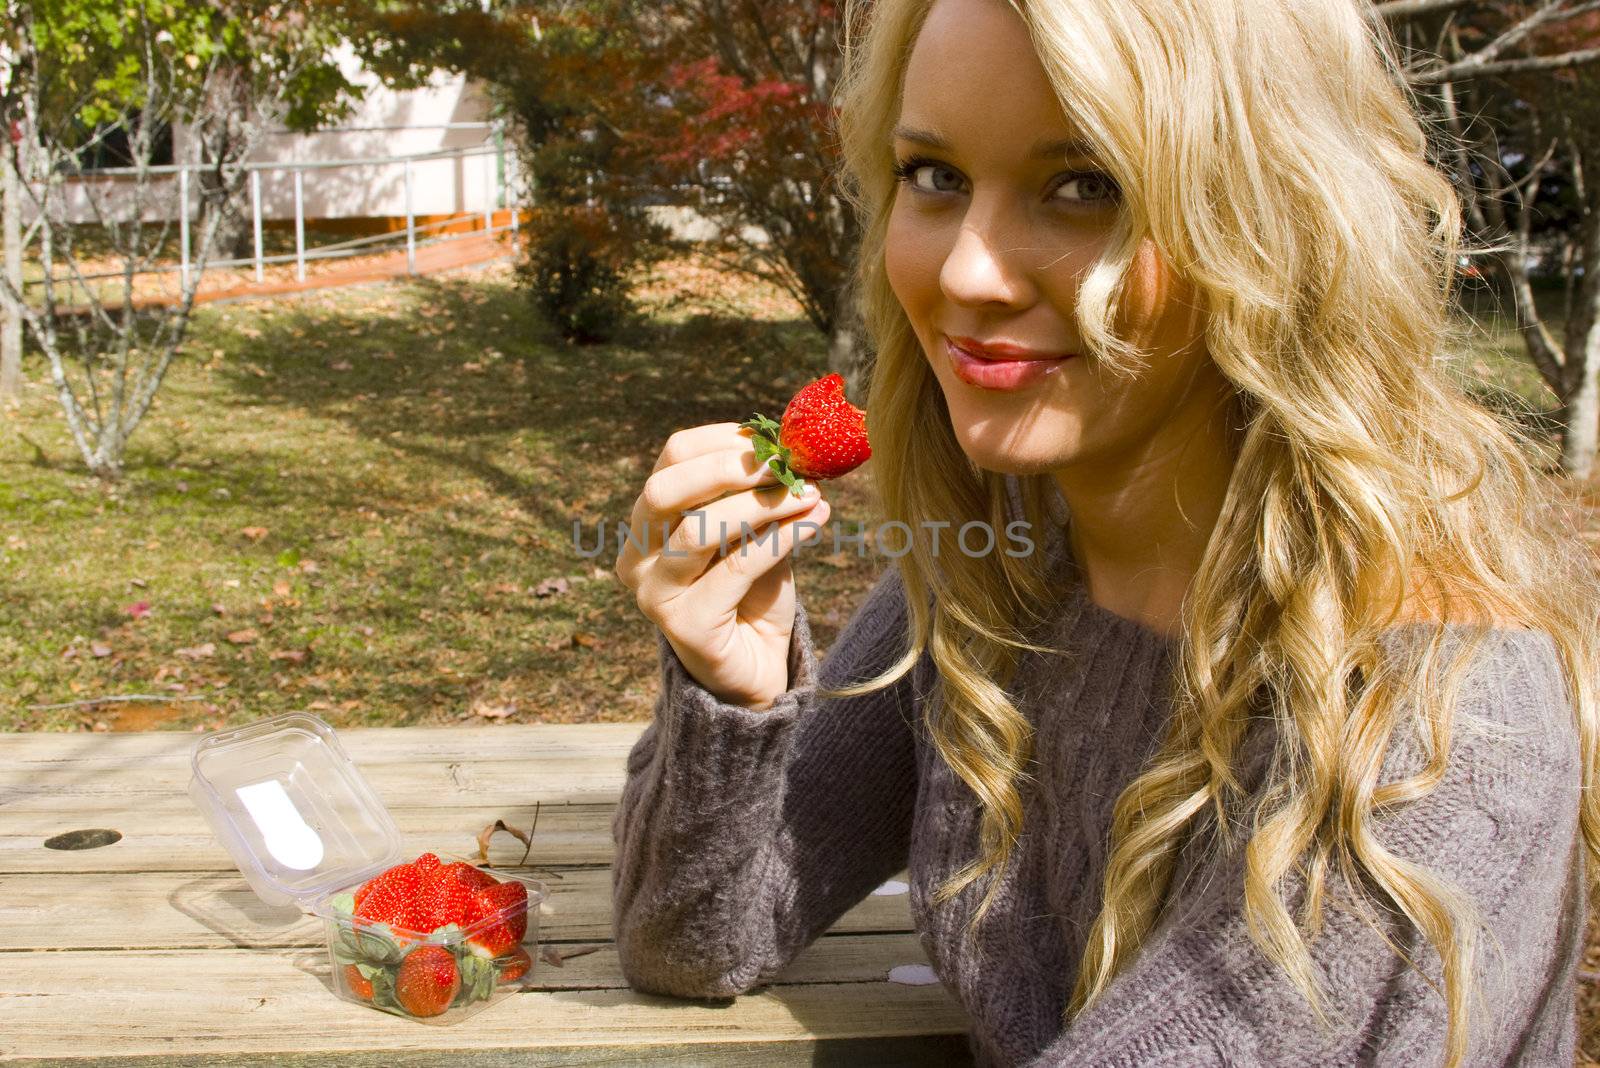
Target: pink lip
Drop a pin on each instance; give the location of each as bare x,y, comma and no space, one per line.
1004,350
1001,374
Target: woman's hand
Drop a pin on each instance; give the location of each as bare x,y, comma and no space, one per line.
728,616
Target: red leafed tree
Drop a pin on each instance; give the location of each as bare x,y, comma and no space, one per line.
728,103
719,105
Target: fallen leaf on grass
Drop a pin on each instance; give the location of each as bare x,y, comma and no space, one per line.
197,652
551,586
293,656
139,610
492,711
255,533
585,639
243,637
100,649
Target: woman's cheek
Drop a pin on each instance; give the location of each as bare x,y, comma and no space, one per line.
912,263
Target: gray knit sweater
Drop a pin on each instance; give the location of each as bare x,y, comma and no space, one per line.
742,836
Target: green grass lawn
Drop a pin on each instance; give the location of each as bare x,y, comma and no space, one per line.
362,504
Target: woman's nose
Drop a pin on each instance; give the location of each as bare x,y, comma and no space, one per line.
986,264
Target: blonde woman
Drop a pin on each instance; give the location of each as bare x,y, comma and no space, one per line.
1280,750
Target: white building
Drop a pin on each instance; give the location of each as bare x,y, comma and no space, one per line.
351,178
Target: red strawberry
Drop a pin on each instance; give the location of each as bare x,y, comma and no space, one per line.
441,899
822,435
425,864
515,966
470,876
499,936
387,897
359,984
403,879
427,981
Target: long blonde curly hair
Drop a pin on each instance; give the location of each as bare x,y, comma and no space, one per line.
1274,156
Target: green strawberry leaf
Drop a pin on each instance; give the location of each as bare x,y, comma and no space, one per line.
344,956
376,943
762,426
343,904
442,935
772,452
370,972
383,989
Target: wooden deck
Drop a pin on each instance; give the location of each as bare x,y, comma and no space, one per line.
153,949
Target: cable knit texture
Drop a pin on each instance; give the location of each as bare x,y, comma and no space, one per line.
742,836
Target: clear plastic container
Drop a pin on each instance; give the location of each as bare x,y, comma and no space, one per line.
284,799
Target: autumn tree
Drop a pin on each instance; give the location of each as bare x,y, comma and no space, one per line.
75,73
1515,88
721,106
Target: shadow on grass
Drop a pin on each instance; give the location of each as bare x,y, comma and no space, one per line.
468,375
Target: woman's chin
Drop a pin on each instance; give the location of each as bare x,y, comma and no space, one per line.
1014,462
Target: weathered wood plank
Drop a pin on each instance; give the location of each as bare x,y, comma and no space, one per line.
182,841
175,961
224,1003
908,1051
366,744
547,777
169,910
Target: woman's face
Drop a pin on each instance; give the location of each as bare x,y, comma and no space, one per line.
989,237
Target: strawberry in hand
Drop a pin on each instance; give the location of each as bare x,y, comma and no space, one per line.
822,435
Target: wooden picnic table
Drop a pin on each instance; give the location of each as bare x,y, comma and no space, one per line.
153,949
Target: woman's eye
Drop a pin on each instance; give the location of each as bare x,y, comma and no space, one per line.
1091,187
912,171
1083,187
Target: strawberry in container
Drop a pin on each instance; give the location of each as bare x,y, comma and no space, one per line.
434,938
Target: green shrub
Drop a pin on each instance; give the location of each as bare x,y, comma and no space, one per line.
578,266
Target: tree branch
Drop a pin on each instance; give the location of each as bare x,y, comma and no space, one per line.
1471,67
1396,10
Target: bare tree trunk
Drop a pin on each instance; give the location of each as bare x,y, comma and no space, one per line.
10,316
1582,399
847,341
225,126
1582,413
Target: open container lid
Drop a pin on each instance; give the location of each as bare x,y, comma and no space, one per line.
287,803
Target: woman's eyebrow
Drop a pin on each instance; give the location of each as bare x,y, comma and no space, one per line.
1069,146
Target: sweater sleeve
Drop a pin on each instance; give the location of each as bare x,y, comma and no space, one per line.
742,836
1501,826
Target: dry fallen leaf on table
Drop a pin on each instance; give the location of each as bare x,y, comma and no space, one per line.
526,838
553,957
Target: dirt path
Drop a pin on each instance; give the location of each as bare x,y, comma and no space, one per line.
225,285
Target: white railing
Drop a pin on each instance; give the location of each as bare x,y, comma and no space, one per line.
500,178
